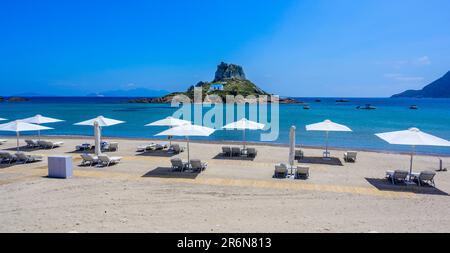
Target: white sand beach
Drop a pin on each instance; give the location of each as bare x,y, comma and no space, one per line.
140,194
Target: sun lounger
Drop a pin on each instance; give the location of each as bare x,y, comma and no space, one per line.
424,177
50,144
281,171
236,151
105,160
111,146
143,148
6,157
43,144
397,175
226,151
198,165
350,156
251,152
83,147
178,164
89,159
161,146
298,154
176,149
302,172
24,158
32,143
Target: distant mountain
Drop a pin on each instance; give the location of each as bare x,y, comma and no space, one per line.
137,92
437,89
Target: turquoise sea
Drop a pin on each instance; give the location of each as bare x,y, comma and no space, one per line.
433,116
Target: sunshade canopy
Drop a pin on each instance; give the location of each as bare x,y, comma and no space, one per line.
102,121
187,130
413,137
169,121
39,119
2,119
20,126
244,124
328,126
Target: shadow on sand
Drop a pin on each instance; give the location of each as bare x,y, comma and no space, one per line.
22,148
383,184
220,156
319,160
167,172
86,151
7,165
158,153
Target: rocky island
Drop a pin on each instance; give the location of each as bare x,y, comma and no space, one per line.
229,79
437,89
14,99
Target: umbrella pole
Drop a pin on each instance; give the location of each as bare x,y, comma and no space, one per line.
326,147
189,160
243,136
170,139
411,162
17,134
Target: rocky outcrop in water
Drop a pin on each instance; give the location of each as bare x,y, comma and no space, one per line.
225,71
18,99
232,81
14,99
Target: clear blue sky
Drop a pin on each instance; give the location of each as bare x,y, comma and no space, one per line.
365,48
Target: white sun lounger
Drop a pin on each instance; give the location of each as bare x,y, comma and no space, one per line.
105,160
32,144
281,170
396,175
24,158
143,148
7,157
89,159
50,144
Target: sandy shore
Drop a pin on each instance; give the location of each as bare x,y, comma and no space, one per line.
141,195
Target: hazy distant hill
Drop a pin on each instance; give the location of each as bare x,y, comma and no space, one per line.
29,94
137,92
437,89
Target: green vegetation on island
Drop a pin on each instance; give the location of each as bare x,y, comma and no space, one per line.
229,80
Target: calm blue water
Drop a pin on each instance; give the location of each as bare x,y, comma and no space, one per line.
433,117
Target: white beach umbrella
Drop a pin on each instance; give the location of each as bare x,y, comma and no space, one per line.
39,119
292,147
327,126
412,137
170,122
244,124
2,119
187,130
102,122
20,126
98,123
